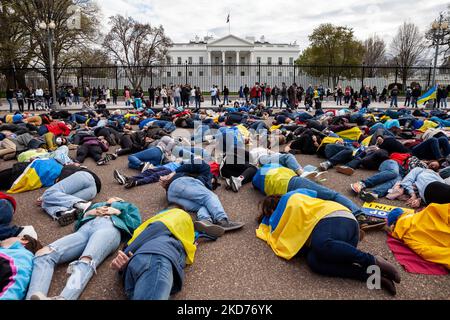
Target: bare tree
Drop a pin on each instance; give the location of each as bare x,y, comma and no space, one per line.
407,48
375,54
66,40
135,46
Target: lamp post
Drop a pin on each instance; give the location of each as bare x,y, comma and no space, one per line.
439,28
49,27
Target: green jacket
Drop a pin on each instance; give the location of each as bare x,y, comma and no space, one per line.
127,221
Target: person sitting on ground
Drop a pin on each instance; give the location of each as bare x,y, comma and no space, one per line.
152,263
326,231
16,266
190,186
98,233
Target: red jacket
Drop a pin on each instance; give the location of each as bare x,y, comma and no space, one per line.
254,93
9,198
58,129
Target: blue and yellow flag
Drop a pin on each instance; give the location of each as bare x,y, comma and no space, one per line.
430,95
293,221
40,173
180,224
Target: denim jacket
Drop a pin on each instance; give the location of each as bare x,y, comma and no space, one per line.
127,221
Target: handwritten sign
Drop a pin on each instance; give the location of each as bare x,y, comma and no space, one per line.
380,210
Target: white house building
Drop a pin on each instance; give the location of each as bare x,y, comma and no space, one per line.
200,59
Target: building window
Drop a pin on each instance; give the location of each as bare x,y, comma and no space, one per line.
190,73
168,60
258,60
200,60
179,60
280,73
269,74
179,73
169,74
280,61
200,73
269,60
291,61
190,60
242,73
216,59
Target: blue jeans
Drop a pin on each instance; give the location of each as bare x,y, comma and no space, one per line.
338,153
284,100
153,155
431,149
10,102
96,239
149,277
177,101
333,250
78,118
200,132
213,100
443,103
388,176
324,193
193,196
76,188
137,103
286,160
394,101
226,100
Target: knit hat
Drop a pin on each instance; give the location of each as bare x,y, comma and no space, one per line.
394,215
17,118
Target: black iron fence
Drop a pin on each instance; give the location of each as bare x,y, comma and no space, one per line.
231,75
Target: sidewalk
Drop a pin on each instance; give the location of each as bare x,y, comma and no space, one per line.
4,106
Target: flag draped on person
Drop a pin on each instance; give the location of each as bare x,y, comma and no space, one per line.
429,95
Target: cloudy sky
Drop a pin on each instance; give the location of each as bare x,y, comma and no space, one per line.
283,21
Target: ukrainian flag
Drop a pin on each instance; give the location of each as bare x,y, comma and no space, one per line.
40,173
293,221
430,95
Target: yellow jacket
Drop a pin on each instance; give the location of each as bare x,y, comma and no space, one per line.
427,233
180,224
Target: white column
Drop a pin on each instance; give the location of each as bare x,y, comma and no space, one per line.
210,63
237,64
223,57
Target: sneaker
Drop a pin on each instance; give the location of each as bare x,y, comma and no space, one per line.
321,177
357,187
369,223
147,166
209,228
120,178
131,184
105,160
114,156
309,175
68,217
83,206
324,166
345,170
230,225
236,184
368,196
41,296
227,184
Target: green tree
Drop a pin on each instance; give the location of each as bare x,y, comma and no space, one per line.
334,51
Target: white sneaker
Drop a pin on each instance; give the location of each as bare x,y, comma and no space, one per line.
41,296
236,184
28,231
309,175
147,166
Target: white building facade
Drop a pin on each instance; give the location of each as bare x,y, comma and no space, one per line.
232,60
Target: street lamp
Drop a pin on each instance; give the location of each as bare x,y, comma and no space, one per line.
49,28
439,28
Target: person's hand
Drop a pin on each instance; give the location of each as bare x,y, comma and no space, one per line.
39,201
114,199
119,263
413,202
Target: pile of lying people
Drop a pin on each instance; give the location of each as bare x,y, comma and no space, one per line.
188,153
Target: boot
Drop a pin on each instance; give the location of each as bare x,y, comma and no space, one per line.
388,269
388,285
